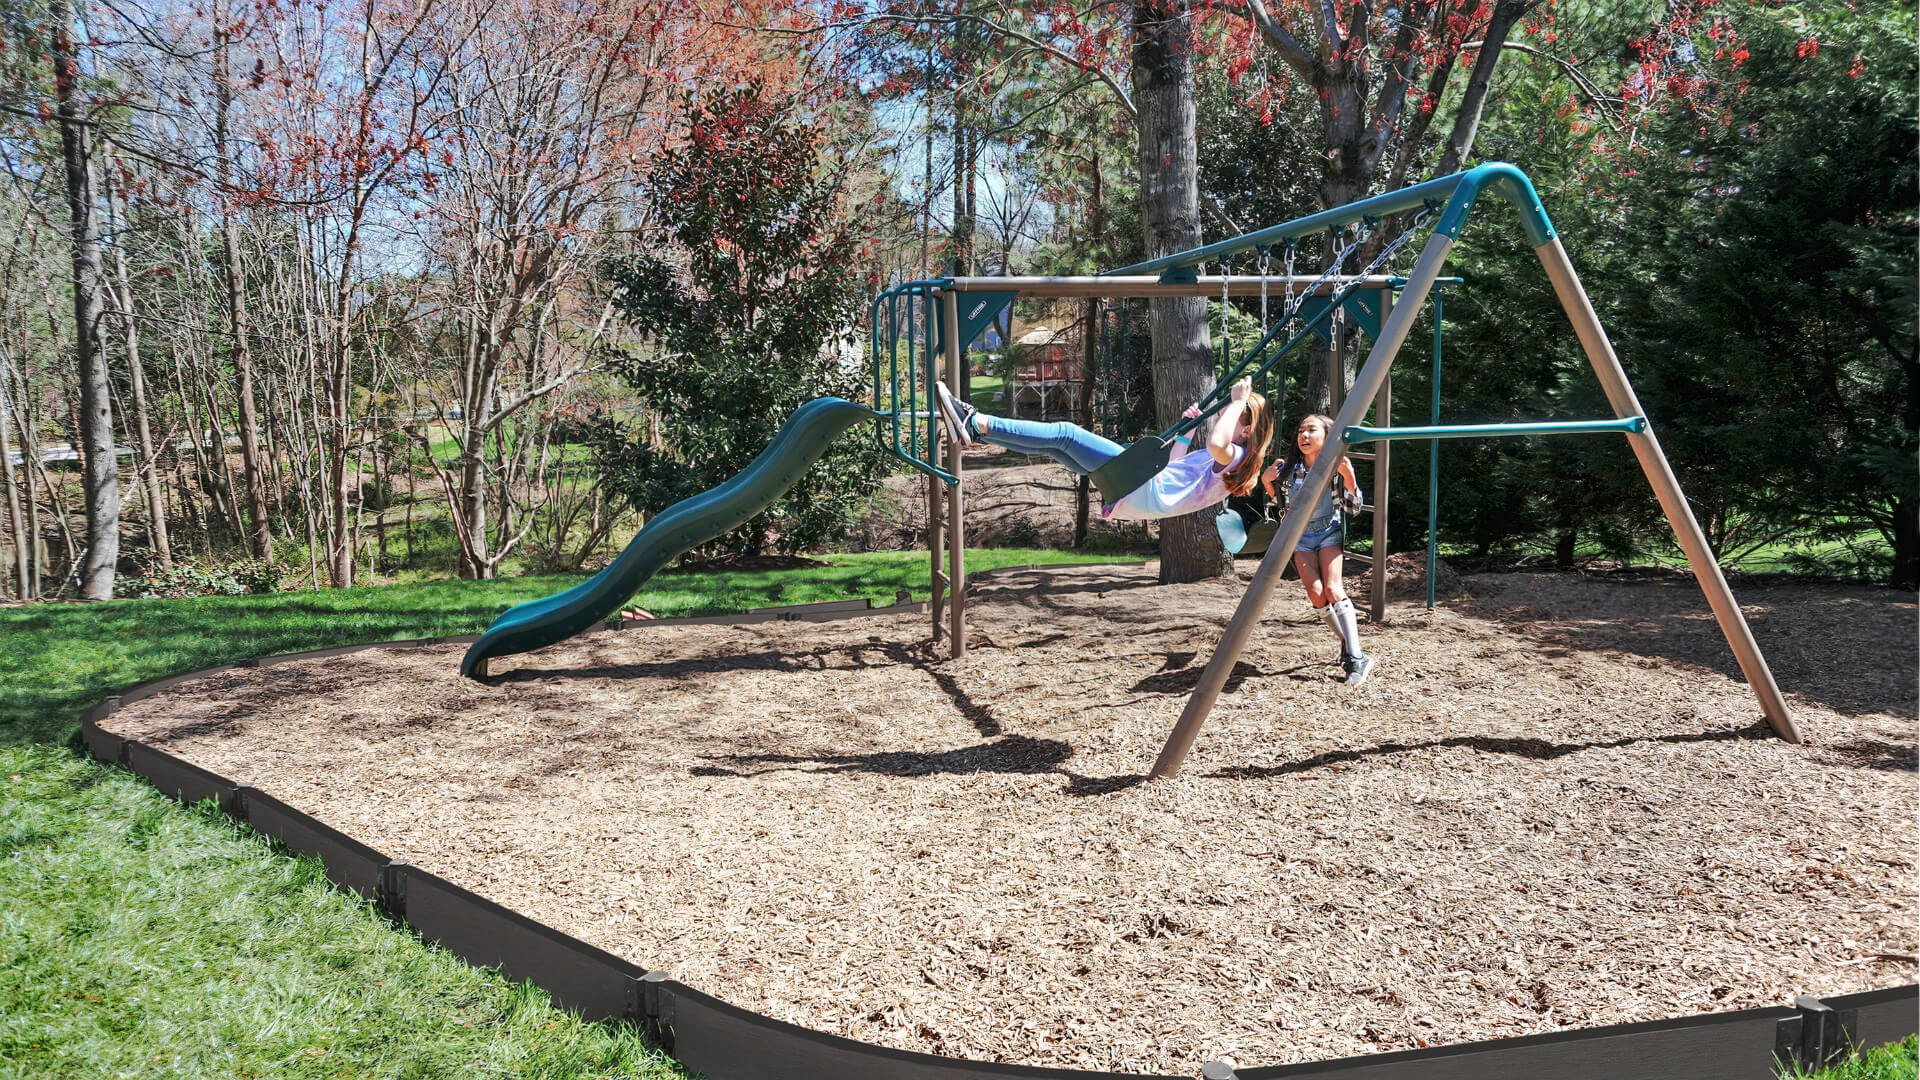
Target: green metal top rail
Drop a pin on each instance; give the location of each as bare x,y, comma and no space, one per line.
1354,433
1458,191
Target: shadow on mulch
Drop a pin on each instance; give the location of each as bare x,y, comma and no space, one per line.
1536,749
1870,753
1819,646
1012,754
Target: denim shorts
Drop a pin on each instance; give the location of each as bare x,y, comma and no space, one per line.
1333,535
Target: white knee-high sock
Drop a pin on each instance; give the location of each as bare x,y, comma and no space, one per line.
1326,616
1346,624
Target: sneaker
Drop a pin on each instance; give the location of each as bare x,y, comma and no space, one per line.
958,415
1358,667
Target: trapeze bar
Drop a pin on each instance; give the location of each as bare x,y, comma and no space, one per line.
1147,285
1458,192
1358,433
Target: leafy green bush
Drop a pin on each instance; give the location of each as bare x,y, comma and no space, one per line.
258,575
183,578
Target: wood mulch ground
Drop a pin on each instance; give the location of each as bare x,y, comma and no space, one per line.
1551,807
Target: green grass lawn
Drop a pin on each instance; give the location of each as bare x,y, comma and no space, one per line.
1901,1061
140,938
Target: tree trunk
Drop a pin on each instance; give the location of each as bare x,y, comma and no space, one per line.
1466,121
148,466
964,148
99,479
259,527
30,457
1089,375
339,422
16,523
1906,545
1190,549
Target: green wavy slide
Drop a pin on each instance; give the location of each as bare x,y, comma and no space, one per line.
680,527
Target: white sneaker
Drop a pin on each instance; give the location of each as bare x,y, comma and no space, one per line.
958,415
1358,667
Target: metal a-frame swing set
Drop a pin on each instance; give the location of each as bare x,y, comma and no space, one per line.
953,310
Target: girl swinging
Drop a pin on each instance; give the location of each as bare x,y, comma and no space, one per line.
1236,450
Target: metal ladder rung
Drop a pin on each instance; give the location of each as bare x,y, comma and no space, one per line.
1361,455
1366,508
1368,559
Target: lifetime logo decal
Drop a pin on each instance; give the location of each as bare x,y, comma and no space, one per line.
977,309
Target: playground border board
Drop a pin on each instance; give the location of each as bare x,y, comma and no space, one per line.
726,1042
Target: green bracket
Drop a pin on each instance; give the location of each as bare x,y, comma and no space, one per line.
978,310
1362,308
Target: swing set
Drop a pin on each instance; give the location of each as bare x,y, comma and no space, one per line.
922,327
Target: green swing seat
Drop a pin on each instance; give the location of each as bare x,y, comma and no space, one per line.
1132,468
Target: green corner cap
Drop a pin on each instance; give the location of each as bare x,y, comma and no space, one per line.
1512,185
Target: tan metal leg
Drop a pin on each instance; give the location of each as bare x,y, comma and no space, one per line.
956,519
1706,569
937,577
1393,333
1382,478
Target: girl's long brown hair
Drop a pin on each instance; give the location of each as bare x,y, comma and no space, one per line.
1242,477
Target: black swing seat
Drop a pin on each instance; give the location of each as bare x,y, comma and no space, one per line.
1135,465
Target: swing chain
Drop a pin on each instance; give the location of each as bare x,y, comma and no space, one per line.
1294,303
1340,294
1289,267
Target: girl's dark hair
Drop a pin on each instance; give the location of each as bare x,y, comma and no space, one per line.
1293,456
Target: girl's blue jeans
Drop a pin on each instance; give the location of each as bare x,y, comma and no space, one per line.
1069,444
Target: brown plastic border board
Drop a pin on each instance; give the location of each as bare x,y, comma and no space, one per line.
1878,1017
350,864
1838,1025
1718,1046
709,1036
588,980
726,1041
177,777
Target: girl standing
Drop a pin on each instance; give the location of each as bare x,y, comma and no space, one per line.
1317,556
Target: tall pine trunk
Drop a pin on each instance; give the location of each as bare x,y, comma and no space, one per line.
98,479
1183,369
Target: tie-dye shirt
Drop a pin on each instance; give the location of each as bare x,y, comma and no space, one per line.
1187,484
